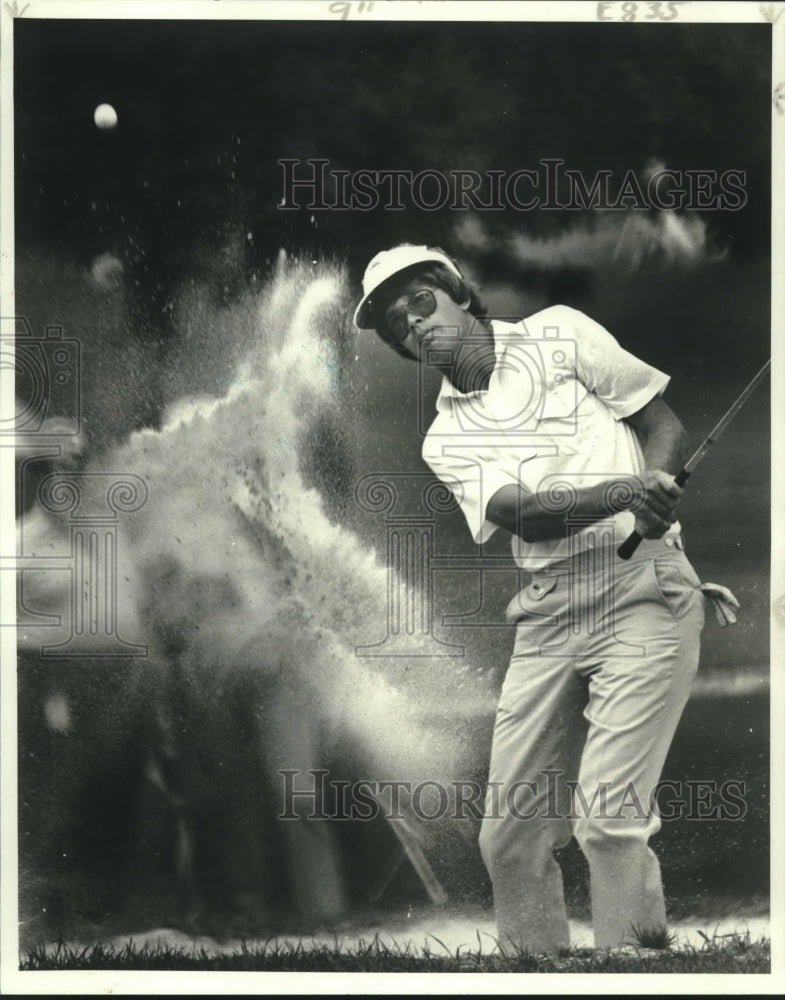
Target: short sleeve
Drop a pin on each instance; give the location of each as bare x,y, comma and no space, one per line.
473,477
623,382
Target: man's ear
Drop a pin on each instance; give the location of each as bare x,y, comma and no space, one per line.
465,305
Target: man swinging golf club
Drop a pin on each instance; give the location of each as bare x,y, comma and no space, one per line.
550,429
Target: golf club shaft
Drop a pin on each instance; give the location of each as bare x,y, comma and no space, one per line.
627,547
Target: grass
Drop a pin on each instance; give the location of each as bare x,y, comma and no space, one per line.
654,937
731,953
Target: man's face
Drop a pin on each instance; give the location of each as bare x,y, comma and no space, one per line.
420,315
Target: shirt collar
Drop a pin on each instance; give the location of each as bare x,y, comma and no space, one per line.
501,335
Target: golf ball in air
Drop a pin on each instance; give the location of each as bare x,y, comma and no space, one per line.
105,116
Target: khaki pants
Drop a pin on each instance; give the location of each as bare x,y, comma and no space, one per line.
604,659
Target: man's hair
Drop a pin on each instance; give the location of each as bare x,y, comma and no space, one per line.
431,273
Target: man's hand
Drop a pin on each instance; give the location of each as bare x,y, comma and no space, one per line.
657,510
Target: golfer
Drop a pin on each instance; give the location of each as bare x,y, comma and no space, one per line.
552,431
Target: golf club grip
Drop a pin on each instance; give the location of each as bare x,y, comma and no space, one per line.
631,543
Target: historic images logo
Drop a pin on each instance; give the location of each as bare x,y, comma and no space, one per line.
312,185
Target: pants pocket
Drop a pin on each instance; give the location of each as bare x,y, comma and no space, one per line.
676,584
527,601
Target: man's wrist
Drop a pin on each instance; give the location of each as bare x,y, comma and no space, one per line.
615,496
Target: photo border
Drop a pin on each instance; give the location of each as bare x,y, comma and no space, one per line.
263,983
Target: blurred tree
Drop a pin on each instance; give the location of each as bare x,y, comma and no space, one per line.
207,109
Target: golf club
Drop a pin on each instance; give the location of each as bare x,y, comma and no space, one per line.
628,546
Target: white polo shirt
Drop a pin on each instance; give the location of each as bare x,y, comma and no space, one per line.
550,420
